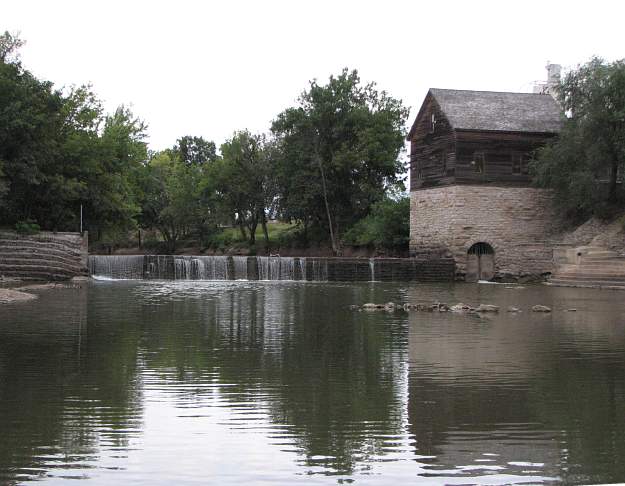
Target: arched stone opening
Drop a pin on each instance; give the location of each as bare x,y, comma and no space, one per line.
480,262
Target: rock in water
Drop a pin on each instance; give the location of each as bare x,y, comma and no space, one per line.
460,307
513,309
541,308
487,308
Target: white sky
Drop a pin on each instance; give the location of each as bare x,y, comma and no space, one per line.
208,68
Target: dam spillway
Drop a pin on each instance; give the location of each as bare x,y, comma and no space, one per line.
273,268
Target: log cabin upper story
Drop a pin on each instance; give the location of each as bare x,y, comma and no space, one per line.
479,137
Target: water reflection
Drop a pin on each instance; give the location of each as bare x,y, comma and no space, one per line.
63,394
174,382
524,392
273,354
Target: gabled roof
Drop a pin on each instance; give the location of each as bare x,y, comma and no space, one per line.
498,111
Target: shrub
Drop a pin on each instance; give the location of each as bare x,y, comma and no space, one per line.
387,227
27,227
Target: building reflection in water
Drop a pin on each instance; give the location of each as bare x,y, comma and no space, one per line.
98,380
523,392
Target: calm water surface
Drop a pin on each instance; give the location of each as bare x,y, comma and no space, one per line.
279,382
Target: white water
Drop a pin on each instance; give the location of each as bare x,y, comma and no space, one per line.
164,267
240,267
278,268
157,269
302,268
201,268
127,267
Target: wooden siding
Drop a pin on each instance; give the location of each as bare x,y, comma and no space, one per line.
428,167
499,150
432,153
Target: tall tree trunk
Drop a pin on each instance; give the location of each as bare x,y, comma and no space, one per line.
242,229
335,248
263,222
252,227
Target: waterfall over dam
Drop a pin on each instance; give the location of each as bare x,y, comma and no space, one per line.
167,267
314,269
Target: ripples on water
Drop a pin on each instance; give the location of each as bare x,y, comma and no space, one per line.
249,382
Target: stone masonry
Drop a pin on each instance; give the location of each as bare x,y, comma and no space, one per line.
516,221
43,256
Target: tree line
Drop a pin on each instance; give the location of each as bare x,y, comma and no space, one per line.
585,165
330,164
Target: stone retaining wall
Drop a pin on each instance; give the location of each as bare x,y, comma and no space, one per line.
516,221
43,256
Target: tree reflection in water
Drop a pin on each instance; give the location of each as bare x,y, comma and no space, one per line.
86,376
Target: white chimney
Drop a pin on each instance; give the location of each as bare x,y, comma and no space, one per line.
553,74
553,80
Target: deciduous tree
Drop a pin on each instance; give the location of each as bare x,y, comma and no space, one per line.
340,149
244,182
585,164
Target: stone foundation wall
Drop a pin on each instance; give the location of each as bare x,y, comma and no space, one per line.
516,221
43,256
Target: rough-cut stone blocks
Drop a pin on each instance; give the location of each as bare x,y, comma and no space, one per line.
515,221
43,256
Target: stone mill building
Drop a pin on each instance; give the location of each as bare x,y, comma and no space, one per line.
470,188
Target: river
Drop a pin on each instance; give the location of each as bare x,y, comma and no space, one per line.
199,382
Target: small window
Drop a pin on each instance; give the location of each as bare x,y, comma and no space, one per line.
517,163
432,122
478,162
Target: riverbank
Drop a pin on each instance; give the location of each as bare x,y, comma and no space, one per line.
9,296
16,291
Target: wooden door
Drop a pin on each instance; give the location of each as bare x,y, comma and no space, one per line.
480,262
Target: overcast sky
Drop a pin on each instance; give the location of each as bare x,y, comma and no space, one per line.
208,68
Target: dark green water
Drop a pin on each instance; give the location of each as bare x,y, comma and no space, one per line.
277,383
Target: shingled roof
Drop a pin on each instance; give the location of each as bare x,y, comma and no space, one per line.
496,111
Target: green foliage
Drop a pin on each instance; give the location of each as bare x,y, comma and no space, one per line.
585,163
195,150
339,152
28,227
334,155
171,200
9,46
243,182
281,235
58,151
385,228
